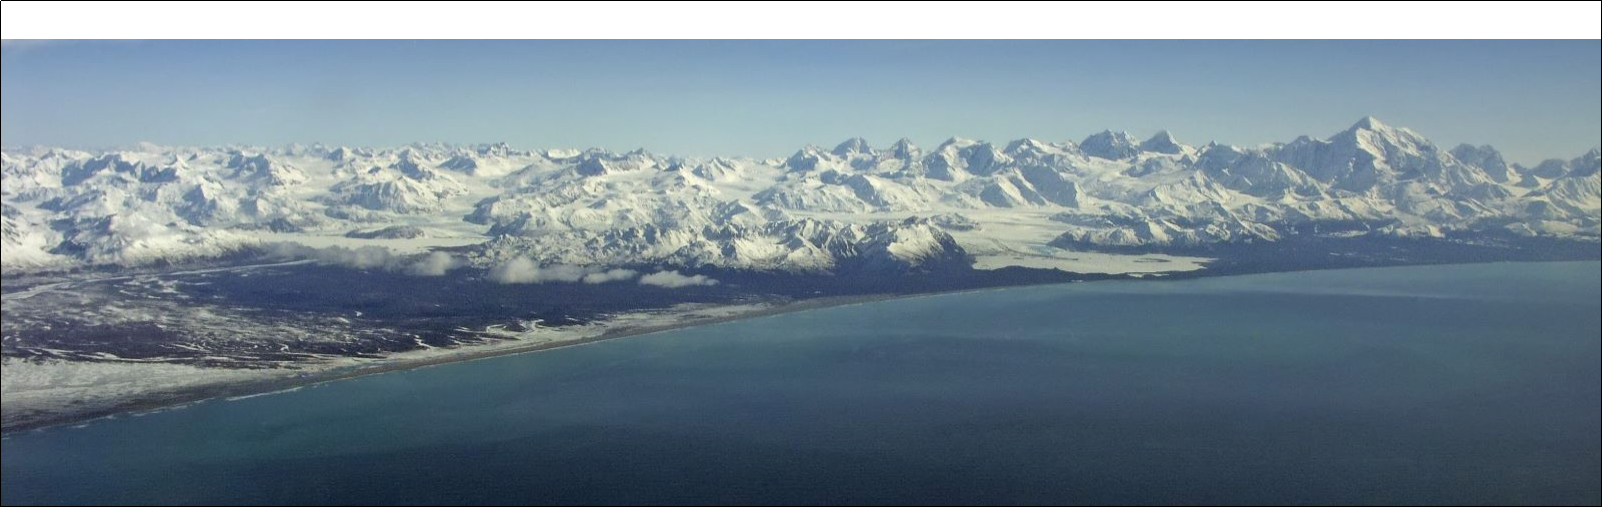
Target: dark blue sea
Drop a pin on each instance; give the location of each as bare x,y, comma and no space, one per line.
1467,384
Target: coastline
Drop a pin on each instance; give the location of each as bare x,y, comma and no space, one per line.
290,380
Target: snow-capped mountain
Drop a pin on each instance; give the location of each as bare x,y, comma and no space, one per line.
852,207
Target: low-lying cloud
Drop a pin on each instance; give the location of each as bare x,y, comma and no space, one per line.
434,264
522,270
369,257
615,274
674,279
518,270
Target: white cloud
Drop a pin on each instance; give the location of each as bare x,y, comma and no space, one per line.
519,270
674,279
615,274
522,270
362,258
434,264
369,257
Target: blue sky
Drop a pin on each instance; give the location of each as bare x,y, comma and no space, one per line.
1531,99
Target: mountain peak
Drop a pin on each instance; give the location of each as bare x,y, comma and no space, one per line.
1486,158
808,158
147,147
1023,145
1162,142
1110,145
853,146
1470,153
1477,155
905,149
1369,123
955,141
1110,134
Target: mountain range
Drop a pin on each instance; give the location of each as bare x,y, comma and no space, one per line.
854,207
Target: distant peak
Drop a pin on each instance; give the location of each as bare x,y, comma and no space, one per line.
1110,145
1162,142
1023,146
1368,123
1370,126
808,149
1109,134
853,146
956,141
1482,150
1590,157
904,148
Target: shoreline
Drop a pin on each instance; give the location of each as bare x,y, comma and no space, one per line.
233,390
243,389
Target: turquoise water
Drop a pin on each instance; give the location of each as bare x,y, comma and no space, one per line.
1471,384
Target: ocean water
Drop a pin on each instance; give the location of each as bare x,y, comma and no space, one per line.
1469,384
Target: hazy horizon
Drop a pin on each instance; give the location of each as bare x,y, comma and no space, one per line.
1532,100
